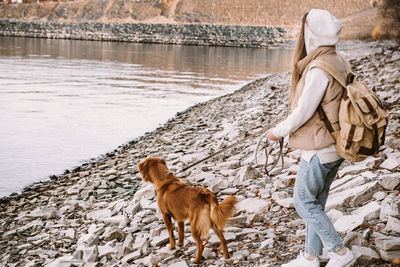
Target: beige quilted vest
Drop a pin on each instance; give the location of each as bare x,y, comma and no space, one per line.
314,134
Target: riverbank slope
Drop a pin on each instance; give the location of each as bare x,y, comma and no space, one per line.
359,17
93,215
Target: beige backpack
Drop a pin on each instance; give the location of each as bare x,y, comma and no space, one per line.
362,118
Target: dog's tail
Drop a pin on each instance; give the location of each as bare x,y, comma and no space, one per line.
222,212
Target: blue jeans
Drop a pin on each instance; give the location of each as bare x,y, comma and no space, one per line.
310,194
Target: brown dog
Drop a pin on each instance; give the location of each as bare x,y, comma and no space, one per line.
181,202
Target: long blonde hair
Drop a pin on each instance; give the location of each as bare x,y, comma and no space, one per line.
299,54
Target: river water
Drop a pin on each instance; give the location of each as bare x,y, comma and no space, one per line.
63,102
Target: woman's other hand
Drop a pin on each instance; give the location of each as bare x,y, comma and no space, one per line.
271,135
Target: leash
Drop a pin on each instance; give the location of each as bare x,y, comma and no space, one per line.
268,152
226,148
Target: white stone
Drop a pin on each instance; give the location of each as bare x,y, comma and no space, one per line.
132,208
252,205
348,223
353,196
131,257
389,255
393,224
266,244
390,207
347,182
178,264
160,240
229,191
353,169
70,233
334,215
390,164
285,202
116,220
146,192
140,243
369,211
99,214
45,213
106,250
391,181
208,254
90,254
151,260
380,195
388,242
369,175
279,195
245,173
364,254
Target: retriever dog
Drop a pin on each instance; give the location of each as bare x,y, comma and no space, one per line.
180,202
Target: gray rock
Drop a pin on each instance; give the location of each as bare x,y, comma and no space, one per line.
151,260
390,207
353,197
146,192
178,264
114,233
388,242
354,239
393,224
245,173
131,257
252,205
389,255
334,215
391,181
267,244
92,240
122,251
379,195
390,164
364,255
348,223
369,211
90,254
99,214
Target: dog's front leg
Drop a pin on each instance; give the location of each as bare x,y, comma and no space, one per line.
181,233
170,228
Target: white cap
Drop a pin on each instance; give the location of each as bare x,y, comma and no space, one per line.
321,28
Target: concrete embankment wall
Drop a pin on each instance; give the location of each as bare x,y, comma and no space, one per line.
192,34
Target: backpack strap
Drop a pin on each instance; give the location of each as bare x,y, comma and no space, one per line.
318,63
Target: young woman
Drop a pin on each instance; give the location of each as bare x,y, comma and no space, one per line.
313,89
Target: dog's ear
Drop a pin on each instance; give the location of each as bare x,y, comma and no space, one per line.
144,170
164,162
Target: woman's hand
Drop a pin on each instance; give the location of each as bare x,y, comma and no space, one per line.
271,135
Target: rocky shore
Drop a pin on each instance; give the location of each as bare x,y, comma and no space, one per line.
102,214
188,34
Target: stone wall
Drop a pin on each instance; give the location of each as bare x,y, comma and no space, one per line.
192,34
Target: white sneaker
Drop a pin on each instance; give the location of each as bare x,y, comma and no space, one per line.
337,260
301,261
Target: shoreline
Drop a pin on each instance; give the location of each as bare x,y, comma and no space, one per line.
159,33
103,193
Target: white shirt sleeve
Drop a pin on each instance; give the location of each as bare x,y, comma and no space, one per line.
315,85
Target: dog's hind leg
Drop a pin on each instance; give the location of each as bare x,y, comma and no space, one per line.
221,237
181,233
199,243
170,228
